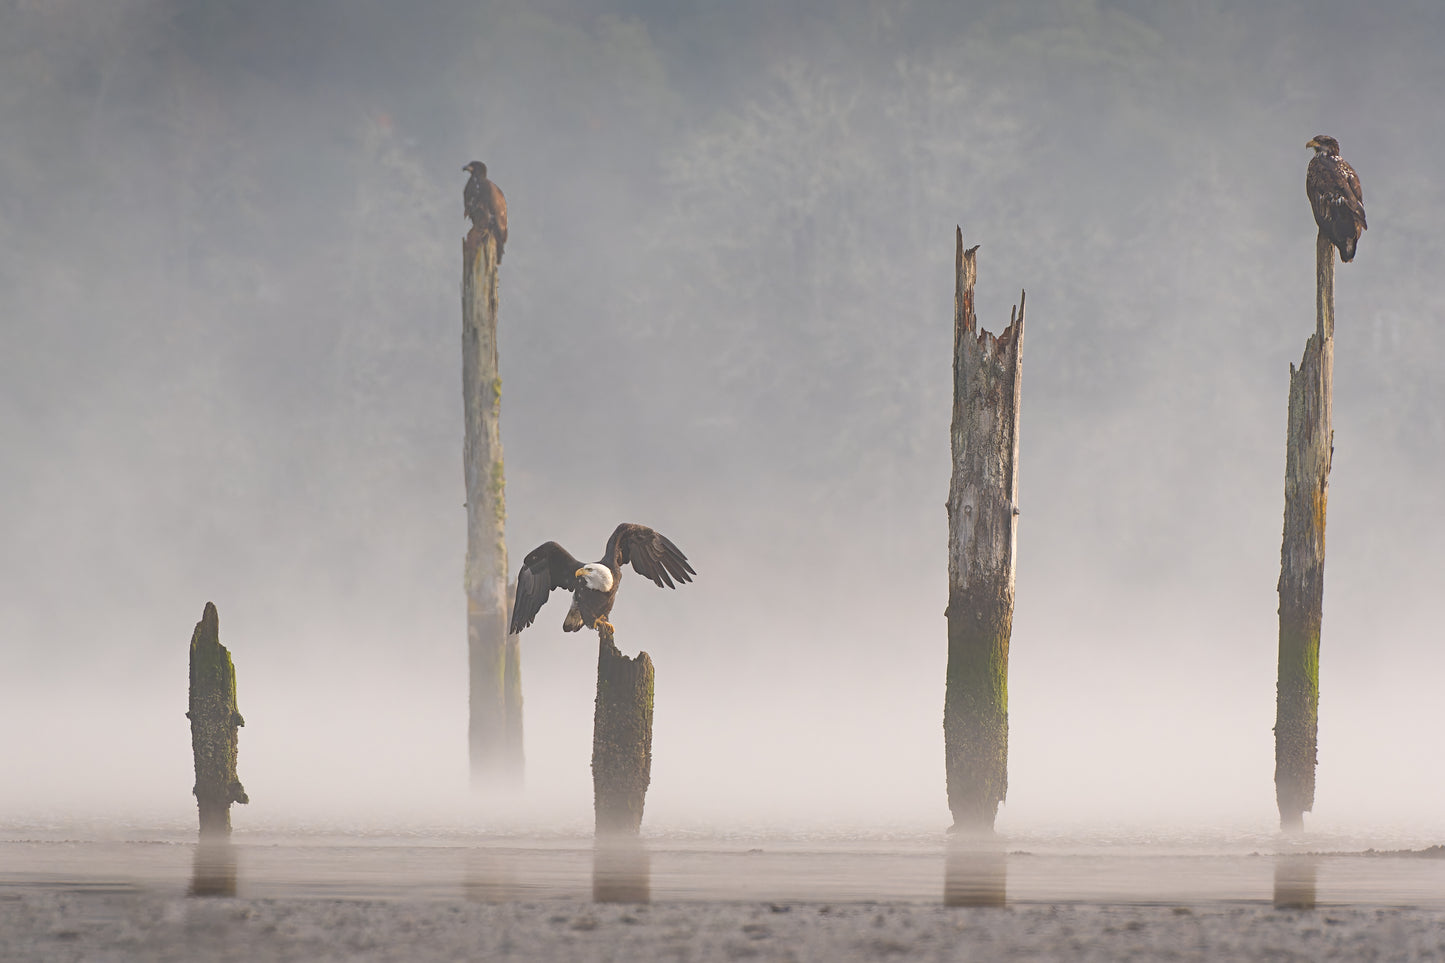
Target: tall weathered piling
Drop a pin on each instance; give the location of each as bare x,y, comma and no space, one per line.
982,532
1309,449
495,727
214,723
621,737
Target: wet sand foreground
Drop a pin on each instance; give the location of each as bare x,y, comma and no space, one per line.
63,926
290,898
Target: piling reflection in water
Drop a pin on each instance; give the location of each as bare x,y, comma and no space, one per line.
1294,881
621,870
975,873
213,873
491,876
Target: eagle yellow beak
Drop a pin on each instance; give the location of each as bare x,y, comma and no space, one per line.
579,573
1313,143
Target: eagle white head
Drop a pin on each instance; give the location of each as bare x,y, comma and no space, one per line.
596,577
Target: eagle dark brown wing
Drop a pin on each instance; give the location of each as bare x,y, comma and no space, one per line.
548,566
1353,180
651,553
1337,201
498,205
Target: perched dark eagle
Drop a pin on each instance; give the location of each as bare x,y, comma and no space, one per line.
482,201
1335,195
594,585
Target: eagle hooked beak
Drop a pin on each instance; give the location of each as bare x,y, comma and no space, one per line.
579,573
1313,143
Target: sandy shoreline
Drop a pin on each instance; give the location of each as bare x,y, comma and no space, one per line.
38,923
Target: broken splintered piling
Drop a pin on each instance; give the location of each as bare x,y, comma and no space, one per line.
982,534
214,725
621,737
1309,451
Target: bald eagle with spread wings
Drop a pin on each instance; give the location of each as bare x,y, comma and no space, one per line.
594,585
1334,191
483,203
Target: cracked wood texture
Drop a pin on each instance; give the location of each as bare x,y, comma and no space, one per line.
214,724
982,532
621,737
1309,449
494,735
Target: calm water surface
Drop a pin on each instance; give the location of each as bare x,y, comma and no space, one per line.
1164,869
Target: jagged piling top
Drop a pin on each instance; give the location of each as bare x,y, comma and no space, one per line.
965,319
983,489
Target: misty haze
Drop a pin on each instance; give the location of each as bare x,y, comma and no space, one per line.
230,371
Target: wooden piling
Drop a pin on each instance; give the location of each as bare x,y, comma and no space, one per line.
214,724
495,674
513,761
982,535
1309,450
621,737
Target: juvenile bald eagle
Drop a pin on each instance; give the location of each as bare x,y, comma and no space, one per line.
1335,195
594,585
482,201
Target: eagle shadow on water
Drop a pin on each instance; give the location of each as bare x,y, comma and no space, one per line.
594,585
